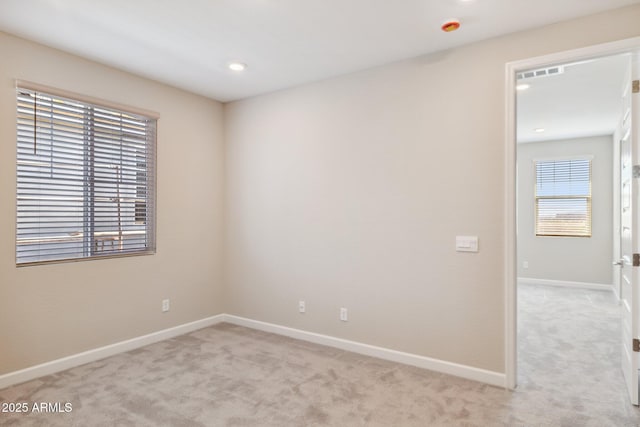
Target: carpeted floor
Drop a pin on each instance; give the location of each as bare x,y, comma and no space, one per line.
228,375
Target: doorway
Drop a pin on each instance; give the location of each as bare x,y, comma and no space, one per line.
512,262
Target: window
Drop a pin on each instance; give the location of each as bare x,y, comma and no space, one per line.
85,179
563,198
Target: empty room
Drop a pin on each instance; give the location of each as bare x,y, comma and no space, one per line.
570,122
292,213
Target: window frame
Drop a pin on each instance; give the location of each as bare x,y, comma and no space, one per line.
587,197
92,104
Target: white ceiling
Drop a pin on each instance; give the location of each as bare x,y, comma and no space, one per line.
584,101
189,43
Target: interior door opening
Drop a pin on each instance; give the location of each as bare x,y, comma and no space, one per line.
589,280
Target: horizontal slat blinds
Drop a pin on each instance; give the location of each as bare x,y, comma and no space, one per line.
85,180
563,198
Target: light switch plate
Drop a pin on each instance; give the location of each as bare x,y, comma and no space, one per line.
467,243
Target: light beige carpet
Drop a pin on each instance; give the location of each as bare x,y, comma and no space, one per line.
232,376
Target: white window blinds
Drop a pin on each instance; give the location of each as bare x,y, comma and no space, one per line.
85,180
563,198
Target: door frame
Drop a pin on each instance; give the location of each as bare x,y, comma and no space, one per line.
510,244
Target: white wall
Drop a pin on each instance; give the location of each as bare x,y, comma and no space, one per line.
51,311
573,259
350,192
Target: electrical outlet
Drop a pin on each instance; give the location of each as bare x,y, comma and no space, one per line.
525,264
301,306
344,315
165,305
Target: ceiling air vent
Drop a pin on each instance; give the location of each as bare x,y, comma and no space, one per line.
541,72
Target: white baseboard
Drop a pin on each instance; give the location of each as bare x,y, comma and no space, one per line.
616,293
566,284
48,368
489,377
68,362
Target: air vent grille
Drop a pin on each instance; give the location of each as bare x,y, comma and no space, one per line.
541,72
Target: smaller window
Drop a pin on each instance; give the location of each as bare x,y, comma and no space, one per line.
563,198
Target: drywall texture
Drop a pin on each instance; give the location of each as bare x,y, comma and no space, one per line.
350,193
51,311
574,259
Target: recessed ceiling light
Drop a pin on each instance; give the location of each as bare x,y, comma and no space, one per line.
237,66
522,86
539,130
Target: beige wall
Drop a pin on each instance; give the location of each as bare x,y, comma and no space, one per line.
345,193
350,192
52,311
574,259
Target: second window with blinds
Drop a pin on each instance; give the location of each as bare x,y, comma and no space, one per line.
563,197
